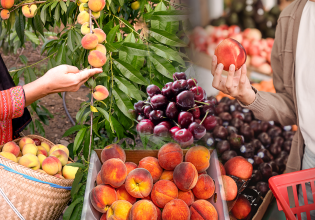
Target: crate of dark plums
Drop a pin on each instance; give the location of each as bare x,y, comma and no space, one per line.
265,144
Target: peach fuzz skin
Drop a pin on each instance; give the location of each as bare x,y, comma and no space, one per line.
167,175
5,14
97,59
29,10
119,210
59,147
99,179
89,41
130,166
114,172
102,197
163,192
30,149
42,150
204,188
152,165
199,156
12,148
61,155
25,140
139,183
9,156
185,176
100,94
50,165
30,161
100,35
69,172
170,155
178,208
229,187
96,5
241,208
7,4
188,197
122,194
143,210
202,209
239,167
83,17
101,48
112,150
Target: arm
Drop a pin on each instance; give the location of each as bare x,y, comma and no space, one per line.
12,103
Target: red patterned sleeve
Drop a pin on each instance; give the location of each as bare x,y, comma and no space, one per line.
12,103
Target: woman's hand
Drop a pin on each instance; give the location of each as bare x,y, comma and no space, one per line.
236,84
63,78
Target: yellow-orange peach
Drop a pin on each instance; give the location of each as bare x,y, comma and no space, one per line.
199,156
42,150
30,161
241,208
96,14
239,167
176,209
97,59
99,179
202,173
148,198
41,158
113,151
203,210
59,164
96,5
69,172
51,165
59,147
5,14
102,197
9,156
18,159
119,210
139,183
143,210
185,176
46,146
7,3
85,28
101,48
101,92
188,197
29,10
122,194
204,188
229,187
163,192
12,148
83,7
83,17
130,166
170,155
167,175
84,1
25,140
101,36
61,155
152,165
59,176
30,149
114,172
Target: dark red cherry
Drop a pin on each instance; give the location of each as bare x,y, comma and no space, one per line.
200,94
140,117
236,122
236,141
156,116
139,107
210,122
208,107
173,130
37,141
221,107
145,127
220,132
167,91
185,119
166,124
161,131
196,112
179,86
197,130
146,111
184,137
191,83
185,100
223,146
226,100
172,111
153,90
159,102
213,100
179,76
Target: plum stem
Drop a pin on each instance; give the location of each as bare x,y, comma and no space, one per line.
204,117
202,102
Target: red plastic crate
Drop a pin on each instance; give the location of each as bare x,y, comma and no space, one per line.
279,186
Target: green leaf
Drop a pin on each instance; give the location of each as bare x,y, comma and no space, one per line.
19,27
167,38
63,6
163,66
43,15
23,59
167,53
106,115
86,147
53,5
171,15
95,125
80,113
40,128
123,102
135,49
108,27
38,24
111,35
32,37
68,212
130,72
127,23
70,41
110,47
121,2
80,165
57,13
128,88
159,24
117,127
32,128
47,111
72,130
60,55
137,62
76,181
79,138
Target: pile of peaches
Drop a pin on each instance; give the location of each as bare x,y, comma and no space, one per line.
38,155
258,49
172,186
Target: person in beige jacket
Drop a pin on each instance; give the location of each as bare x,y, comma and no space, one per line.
293,64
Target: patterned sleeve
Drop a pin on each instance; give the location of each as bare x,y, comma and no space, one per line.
12,103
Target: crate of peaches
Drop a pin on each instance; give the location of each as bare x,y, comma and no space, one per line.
169,183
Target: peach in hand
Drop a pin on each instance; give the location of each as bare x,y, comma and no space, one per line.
139,183
61,155
204,188
29,10
102,197
97,59
112,150
100,35
96,5
30,149
12,148
229,187
188,197
114,172
199,156
51,165
9,156
163,192
239,167
30,161
143,210
100,93
7,4
176,209
203,210
119,210
152,165
69,172
229,52
170,155
130,166
122,194
185,176
24,141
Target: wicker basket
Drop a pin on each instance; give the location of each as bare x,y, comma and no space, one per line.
33,200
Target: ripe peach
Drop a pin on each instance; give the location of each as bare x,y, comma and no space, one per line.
12,148
101,48
102,197
41,158
119,210
241,208
59,164
170,155
148,197
252,34
204,172
199,156
188,197
101,36
152,165
122,194
163,192
103,217
96,5
100,93
113,151
203,210
59,176
7,4
167,175
222,169
85,28
50,165
97,59
9,156
239,167
229,52
61,155
176,209
83,17
96,15
59,147
143,210
230,188
29,10
185,176
30,161
30,149
69,172
46,146
83,7
159,213
204,188
25,140
42,150
83,1
114,172
130,166
5,14
99,179
139,183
